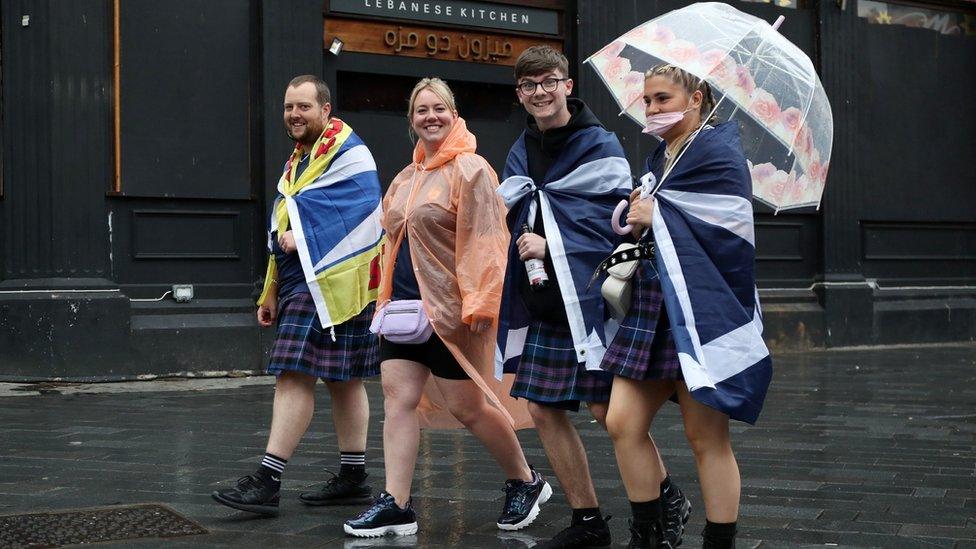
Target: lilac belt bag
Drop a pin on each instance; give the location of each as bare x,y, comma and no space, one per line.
402,321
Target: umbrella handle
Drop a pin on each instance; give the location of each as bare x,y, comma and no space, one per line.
615,219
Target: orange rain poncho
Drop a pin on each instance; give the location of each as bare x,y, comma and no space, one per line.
458,244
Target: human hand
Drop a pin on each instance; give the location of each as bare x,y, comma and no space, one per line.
287,242
480,324
268,311
641,210
531,246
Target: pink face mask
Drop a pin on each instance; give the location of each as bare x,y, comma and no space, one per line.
661,122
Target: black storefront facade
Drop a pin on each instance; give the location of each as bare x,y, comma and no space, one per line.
141,144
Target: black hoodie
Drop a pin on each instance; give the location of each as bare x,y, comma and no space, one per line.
542,149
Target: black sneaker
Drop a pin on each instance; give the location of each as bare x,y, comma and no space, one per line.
580,535
522,501
677,509
339,491
383,517
646,535
252,493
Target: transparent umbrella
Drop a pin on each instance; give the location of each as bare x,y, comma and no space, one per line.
761,80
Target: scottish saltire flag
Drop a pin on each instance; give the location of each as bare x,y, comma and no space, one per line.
703,229
577,198
334,210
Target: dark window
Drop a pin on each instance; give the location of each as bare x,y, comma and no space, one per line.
185,88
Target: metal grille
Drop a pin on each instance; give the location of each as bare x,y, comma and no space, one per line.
94,525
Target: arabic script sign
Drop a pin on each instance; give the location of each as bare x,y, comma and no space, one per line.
456,12
446,45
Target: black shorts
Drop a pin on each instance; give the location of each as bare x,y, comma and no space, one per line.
432,353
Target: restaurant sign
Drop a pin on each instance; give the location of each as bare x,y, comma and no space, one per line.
456,12
430,43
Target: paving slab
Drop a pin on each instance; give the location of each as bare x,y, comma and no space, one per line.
855,448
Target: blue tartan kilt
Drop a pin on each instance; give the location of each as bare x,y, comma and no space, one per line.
302,345
644,346
549,373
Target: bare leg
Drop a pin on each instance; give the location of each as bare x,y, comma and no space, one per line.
707,430
350,413
403,383
468,404
566,454
633,405
294,403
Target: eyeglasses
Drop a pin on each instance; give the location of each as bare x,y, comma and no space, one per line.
527,87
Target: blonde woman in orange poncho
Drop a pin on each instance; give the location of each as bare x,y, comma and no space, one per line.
447,245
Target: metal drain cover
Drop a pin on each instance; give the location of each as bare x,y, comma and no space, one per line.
93,525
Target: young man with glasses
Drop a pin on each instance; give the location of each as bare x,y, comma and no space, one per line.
562,179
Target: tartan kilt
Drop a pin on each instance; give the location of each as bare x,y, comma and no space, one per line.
548,371
302,345
644,346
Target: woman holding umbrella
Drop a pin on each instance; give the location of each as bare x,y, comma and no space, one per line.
693,158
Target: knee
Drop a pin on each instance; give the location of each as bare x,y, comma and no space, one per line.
621,426
707,441
467,413
345,389
398,400
543,416
295,380
617,425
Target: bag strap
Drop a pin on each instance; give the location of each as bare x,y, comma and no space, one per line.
644,249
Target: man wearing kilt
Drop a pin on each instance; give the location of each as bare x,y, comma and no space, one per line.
321,285
563,178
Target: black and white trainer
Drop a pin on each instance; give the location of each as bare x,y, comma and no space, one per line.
252,493
677,509
587,533
382,518
522,501
339,490
646,535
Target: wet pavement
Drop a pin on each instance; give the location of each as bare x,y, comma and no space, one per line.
855,448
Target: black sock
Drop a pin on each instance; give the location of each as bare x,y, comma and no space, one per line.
647,511
352,465
272,467
719,531
666,486
590,516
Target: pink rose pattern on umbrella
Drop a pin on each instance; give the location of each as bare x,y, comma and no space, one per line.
764,106
682,52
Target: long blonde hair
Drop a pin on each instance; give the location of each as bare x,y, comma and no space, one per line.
440,89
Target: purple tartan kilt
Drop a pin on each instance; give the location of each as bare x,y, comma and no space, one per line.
301,345
644,347
548,371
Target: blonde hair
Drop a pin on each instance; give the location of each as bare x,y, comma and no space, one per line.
690,83
439,88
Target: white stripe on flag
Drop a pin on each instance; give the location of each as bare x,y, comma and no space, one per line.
732,213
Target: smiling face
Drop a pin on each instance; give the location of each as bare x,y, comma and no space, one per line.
548,108
305,118
662,95
431,119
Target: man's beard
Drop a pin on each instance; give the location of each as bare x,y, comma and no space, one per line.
307,133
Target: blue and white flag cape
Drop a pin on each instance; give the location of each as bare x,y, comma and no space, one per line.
577,198
703,229
334,211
